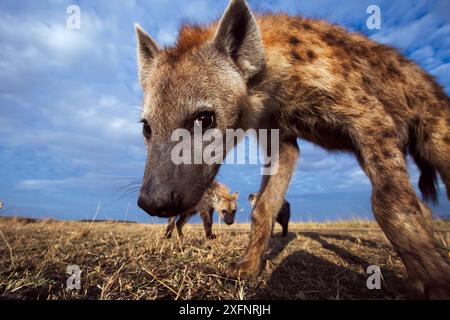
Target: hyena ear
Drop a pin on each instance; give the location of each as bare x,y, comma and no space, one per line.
238,36
236,195
147,51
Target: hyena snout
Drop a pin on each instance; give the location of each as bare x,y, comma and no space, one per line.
160,204
169,195
161,200
228,216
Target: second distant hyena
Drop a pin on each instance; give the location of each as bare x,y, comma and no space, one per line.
283,216
311,80
217,197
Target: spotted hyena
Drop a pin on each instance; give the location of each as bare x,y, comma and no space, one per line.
311,80
217,197
282,217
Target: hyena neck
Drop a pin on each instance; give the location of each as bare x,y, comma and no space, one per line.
220,191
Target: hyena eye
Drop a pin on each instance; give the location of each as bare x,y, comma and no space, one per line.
146,130
204,120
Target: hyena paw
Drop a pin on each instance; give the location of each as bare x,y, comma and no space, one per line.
243,269
211,236
418,289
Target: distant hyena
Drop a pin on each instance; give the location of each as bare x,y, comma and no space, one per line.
282,217
309,79
217,197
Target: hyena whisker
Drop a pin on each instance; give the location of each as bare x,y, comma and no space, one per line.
128,194
131,184
138,98
138,108
129,190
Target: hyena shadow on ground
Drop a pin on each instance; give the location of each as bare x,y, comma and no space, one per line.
302,275
277,244
316,236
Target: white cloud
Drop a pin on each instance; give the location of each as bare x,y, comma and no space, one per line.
408,35
442,71
90,181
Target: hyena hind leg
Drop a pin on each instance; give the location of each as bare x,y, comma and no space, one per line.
441,154
207,223
402,218
430,148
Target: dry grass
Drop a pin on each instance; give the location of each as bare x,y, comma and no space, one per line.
132,261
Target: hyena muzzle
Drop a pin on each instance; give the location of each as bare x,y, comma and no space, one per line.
311,80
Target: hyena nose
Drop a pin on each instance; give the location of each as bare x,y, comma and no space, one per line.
159,203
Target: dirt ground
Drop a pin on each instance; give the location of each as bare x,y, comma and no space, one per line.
133,261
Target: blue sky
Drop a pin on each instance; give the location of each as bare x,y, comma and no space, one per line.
69,104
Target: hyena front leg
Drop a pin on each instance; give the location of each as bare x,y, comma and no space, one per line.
273,228
170,227
403,218
181,222
269,202
207,223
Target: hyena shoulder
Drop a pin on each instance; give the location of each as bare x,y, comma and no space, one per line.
335,63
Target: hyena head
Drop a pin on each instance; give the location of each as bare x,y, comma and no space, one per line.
227,206
201,82
252,199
